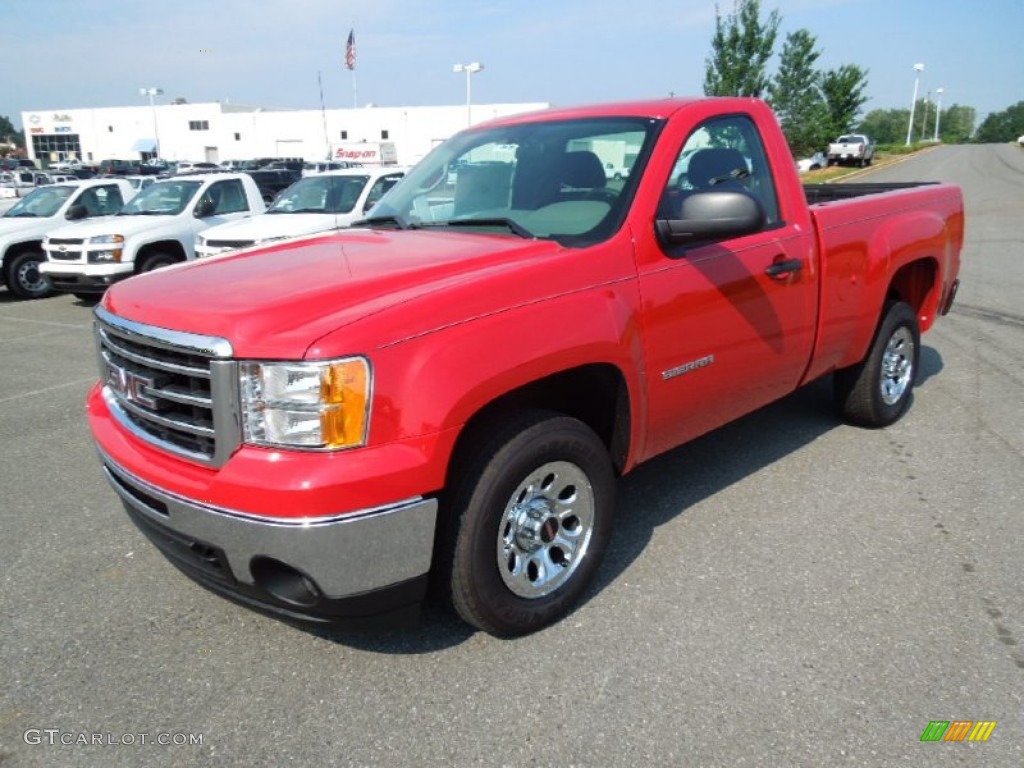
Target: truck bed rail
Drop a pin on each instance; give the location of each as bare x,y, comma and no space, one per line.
824,193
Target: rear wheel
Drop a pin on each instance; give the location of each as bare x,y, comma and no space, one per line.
23,277
531,516
877,391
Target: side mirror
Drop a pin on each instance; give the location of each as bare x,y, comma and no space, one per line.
205,208
76,212
712,216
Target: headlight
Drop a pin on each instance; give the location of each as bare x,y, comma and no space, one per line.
306,405
106,239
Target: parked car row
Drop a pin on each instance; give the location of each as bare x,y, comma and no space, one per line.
81,236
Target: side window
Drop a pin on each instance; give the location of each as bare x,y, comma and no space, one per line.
108,200
228,197
723,153
382,185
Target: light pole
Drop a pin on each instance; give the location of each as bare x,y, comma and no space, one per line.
469,69
938,111
924,117
151,92
918,68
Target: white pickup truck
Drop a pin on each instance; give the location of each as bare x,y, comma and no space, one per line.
318,203
851,148
24,225
157,228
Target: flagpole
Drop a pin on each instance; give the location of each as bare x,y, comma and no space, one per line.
355,100
323,113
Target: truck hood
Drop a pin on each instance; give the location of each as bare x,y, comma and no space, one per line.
110,225
271,225
278,301
24,224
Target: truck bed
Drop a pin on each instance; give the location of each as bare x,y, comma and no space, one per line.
825,193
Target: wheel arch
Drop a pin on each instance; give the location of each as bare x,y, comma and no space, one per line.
917,284
15,249
596,394
171,247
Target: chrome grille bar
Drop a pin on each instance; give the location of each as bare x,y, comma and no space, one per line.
172,389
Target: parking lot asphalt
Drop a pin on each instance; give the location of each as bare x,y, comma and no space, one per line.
785,591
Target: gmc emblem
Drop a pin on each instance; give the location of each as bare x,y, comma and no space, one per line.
129,385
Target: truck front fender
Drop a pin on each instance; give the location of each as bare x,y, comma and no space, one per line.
439,381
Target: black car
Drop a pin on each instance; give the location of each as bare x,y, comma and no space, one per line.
272,182
118,168
13,163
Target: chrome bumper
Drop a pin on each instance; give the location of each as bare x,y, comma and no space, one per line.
351,554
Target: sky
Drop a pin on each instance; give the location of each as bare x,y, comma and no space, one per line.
68,54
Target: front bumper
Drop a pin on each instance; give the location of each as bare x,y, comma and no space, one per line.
84,277
364,566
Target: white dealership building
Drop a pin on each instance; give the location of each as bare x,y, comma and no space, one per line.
223,131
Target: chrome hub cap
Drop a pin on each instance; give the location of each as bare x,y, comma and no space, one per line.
545,529
897,366
30,278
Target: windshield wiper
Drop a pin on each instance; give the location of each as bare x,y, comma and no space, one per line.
375,220
495,221
22,215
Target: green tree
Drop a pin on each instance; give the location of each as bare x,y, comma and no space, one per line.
795,95
1002,126
740,49
957,124
844,96
886,126
8,132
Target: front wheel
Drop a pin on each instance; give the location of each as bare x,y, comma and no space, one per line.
156,261
532,514
876,392
23,277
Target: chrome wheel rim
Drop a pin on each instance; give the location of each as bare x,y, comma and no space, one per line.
30,278
545,529
897,366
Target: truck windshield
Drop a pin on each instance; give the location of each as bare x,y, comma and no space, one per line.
40,203
564,180
165,198
321,194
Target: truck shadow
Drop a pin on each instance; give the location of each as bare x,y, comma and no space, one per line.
659,491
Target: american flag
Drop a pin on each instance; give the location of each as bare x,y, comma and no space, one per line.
350,50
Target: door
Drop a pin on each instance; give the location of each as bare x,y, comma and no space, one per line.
230,204
212,154
729,325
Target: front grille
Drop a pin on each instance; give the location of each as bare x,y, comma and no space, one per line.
169,388
65,255
65,241
229,243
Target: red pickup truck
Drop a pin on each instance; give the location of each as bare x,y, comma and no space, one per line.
451,389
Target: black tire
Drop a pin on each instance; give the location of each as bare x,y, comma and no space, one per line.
23,277
496,515
877,391
156,261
